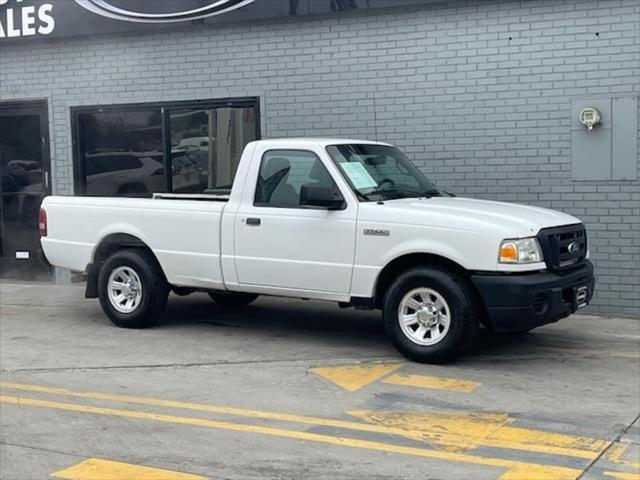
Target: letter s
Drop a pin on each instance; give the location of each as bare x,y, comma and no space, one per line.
44,14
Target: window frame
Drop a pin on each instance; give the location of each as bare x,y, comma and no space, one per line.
79,171
299,207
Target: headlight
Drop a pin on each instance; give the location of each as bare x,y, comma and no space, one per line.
523,250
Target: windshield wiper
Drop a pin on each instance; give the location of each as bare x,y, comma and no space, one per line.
432,193
384,194
397,193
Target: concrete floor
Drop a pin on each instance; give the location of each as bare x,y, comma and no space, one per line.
287,389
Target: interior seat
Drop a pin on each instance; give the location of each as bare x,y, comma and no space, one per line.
276,175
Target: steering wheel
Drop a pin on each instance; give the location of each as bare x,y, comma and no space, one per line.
390,181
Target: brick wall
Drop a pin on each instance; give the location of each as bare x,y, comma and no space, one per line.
478,93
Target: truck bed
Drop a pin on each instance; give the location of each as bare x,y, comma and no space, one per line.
182,231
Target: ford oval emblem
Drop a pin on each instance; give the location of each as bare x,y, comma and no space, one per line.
574,248
110,9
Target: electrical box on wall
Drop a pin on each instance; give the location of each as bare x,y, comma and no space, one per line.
604,139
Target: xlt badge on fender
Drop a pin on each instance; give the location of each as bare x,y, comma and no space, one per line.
377,232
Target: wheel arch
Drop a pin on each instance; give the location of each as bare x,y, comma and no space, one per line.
107,246
410,260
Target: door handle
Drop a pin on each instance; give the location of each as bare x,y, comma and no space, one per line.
255,222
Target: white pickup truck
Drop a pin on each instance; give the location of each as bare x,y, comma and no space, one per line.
348,221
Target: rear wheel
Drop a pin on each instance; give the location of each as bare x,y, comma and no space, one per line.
429,314
132,289
233,299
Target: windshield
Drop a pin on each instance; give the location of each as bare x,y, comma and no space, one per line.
380,172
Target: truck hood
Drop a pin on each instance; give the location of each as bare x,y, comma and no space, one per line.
476,215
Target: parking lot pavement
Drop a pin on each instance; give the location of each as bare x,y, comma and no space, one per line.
289,389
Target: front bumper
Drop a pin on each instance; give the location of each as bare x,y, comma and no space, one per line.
519,302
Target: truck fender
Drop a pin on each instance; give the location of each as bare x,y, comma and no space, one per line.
424,247
411,254
121,235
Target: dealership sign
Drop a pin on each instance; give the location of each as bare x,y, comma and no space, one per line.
24,20
106,8
43,19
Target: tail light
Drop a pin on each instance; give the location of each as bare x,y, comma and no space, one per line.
42,223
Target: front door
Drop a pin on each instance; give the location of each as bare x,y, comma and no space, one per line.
24,171
281,244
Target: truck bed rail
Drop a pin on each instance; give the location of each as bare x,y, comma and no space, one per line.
204,197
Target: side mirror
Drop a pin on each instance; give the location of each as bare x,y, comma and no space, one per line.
321,196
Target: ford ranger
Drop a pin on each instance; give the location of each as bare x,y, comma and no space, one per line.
348,221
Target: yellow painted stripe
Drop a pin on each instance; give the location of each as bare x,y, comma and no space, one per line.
525,473
265,415
416,426
542,471
623,475
523,439
436,383
98,469
472,430
615,453
354,377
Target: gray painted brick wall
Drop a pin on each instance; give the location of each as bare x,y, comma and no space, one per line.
478,93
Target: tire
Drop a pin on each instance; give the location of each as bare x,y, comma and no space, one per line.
444,304
142,307
233,300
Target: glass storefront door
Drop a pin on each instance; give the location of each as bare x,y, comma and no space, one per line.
24,175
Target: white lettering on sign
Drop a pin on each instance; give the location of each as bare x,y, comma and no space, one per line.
19,20
28,20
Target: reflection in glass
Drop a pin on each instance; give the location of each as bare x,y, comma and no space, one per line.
333,5
341,5
206,145
22,188
21,154
122,152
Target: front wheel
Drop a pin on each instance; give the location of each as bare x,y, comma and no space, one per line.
132,289
233,299
429,314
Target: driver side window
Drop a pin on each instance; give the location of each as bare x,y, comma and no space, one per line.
282,174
